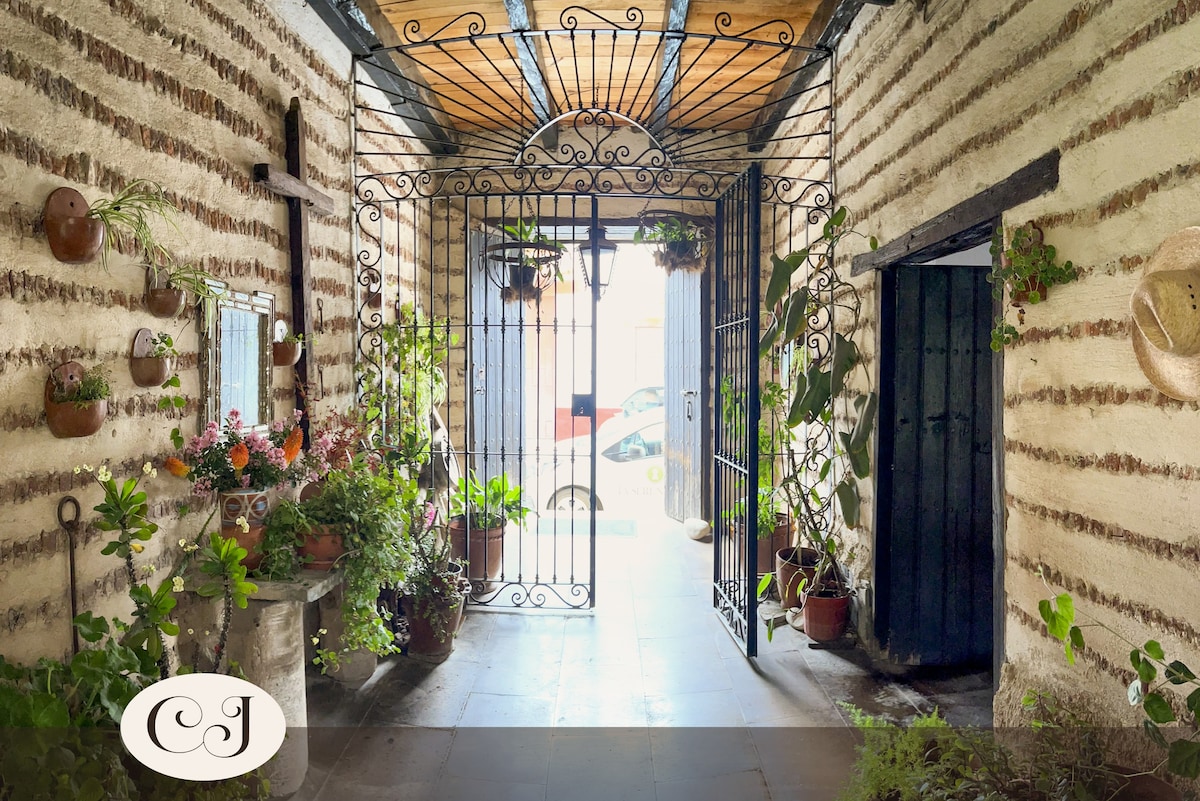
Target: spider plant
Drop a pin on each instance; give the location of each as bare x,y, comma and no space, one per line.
132,209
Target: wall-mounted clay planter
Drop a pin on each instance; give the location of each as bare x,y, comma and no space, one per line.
147,370
164,301
286,354
68,419
74,238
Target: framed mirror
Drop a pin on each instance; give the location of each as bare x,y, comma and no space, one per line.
235,356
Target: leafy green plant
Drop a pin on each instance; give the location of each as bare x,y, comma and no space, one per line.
93,386
681,243
1061,758
1155,680
487,505
1024,268
820,472
366,504
436,586
413,383
132,210
164,271
162,346
292,338
58,737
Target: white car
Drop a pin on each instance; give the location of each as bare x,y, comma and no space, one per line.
630,473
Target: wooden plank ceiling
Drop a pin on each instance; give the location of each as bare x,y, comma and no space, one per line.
487,88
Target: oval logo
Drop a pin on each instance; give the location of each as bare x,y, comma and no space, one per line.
203,727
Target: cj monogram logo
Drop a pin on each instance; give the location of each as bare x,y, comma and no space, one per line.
203,727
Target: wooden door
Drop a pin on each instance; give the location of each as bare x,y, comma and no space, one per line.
685,402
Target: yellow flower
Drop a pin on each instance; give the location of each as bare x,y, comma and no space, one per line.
148,569
245,524
87,468
191,631
316,640
322,631
102,473
177,586
182,542
147,467
77,469
137,547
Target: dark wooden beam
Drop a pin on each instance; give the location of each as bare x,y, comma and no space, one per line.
966,224
530,63
668,71
281,183
828,25
405,94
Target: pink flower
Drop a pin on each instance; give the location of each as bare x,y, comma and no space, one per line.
246,481
234,420
277,426
202,487
257,443
297,414
277,458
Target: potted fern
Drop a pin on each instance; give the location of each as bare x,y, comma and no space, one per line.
1025,270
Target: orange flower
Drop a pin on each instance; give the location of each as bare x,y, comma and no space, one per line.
239,456
291,445
176,467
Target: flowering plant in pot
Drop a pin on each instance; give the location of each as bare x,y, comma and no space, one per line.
823,465
240,466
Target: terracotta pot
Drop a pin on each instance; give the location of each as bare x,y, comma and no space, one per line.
423,640
67,419
1019,299
324,545
781,537
73,237
286,354
253,504
165,302
483,547
150,371
825,619
789,571
1143,787
312,489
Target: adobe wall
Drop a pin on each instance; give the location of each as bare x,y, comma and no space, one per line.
1101,469
94,94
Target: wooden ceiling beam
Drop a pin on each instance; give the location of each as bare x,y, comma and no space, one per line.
675,20
347,22
530,63
829,22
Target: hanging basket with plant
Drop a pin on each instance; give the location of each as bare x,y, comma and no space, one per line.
1025,270
76,400
525,263
681,244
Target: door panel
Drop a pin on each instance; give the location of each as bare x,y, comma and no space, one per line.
934,534
685,403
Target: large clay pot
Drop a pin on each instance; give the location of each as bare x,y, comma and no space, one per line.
67,419
324,545
789,570
252,504
286,354
781,537
483,547
825,619
73,237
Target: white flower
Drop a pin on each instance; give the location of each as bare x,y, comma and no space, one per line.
316,640
177,586
154,473
103,474
77,469
206,633
148,569
322,631
87,467
147,468
241,521
191,631
182,542
190,547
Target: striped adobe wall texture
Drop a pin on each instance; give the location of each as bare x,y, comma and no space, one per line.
1100,468
190,93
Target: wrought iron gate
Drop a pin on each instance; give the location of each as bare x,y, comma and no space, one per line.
461,133
736,295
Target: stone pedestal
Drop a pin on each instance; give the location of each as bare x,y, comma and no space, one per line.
357,666
267,641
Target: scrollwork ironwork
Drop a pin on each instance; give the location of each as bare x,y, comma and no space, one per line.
476,25
634,18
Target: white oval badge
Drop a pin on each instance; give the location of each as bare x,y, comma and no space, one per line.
203,727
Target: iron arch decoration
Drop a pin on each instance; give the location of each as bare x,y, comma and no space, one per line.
556,122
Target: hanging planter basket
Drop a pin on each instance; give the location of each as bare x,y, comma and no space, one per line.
689,256
527,268
162,299
147,370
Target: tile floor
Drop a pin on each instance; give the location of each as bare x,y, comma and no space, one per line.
646,697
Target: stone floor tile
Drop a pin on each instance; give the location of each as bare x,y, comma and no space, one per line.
697,753
488,710
601,765
718,708
745,786
507,755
